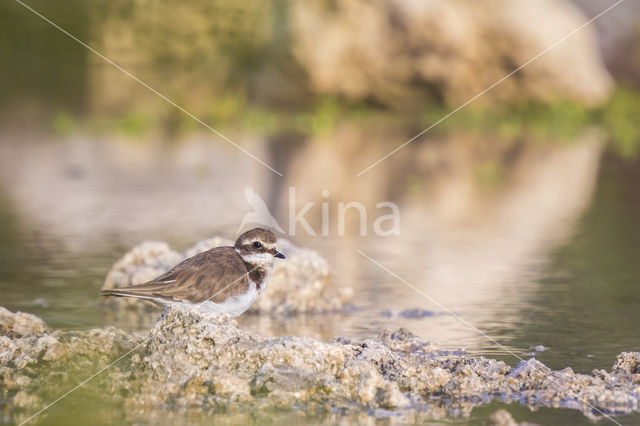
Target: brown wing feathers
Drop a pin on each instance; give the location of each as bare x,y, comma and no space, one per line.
213,275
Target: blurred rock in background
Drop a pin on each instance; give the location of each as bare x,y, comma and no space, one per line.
283,53
391,52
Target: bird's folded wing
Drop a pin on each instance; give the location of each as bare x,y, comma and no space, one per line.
213,282
213,275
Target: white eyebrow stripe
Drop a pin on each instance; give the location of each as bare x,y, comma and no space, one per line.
251,241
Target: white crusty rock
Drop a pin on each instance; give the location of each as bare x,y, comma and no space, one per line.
37,363
210,362
203,362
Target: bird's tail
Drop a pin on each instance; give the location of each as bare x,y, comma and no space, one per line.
127,293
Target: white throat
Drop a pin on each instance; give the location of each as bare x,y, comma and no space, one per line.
257,259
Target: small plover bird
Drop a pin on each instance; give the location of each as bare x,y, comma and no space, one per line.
224,279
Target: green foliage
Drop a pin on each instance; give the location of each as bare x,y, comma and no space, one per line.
621,119
63,124
489,173
559,121
415,185
260,121
555,122
133,124
324,116
227,108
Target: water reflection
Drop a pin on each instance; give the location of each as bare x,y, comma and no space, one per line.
474,243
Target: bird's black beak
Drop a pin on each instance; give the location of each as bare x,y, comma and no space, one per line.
279,255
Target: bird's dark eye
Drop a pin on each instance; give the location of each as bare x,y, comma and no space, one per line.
257,244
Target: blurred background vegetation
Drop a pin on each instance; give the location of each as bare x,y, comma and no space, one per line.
278,66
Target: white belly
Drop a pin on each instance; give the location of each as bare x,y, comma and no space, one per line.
233,306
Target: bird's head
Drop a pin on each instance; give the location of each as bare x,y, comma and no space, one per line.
257,246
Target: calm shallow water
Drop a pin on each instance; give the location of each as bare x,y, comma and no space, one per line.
577,295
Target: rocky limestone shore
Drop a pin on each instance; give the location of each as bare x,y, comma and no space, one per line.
200,361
